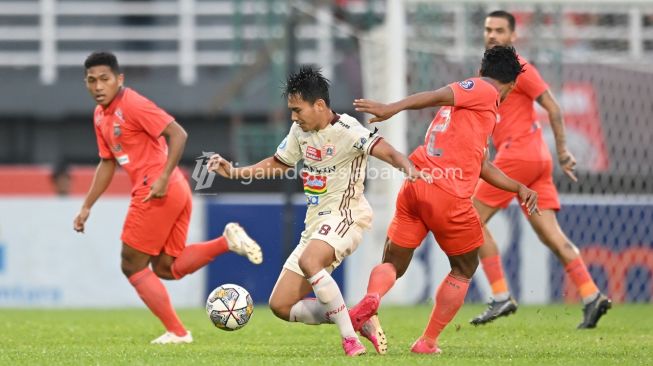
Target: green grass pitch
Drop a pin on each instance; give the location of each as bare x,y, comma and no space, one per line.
543,335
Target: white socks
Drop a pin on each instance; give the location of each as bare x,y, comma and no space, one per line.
333,305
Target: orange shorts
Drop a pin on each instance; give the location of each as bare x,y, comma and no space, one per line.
159,225
536,175
423,207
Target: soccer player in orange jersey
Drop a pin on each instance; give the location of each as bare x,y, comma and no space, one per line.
132,131
523,155
454,153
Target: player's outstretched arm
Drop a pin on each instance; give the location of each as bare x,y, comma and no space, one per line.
264,169
565,157
493,175
101,180
384,151
381,111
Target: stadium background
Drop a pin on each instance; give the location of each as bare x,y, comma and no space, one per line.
217,66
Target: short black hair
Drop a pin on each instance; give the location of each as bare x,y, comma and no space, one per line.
309,84
501,63
102,58
505,15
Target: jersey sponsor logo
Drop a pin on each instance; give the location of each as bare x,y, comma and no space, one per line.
360,144
314,184
313,153
329,151
312,200
283,144
466,84
343,124
117,148
122,159
315,170
116,130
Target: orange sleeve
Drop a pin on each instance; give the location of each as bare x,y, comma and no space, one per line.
103,148
531,83
472,93
146,114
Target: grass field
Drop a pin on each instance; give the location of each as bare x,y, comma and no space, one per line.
542,335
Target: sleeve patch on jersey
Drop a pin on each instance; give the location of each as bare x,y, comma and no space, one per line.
467,84
283,144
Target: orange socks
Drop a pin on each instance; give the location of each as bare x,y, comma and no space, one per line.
382,279
196,256
449,297
494,273
151,290
577,271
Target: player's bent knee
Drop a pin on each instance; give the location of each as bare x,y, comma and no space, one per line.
164,273
279,308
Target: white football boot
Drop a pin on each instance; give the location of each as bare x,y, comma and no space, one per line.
171,338
240,243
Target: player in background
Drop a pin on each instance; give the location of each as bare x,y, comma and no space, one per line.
523,155
454,153
334,149
132,131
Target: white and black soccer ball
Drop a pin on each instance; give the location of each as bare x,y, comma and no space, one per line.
229,307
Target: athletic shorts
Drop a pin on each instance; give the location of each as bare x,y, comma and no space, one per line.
334,230
423,207
160,224
536,175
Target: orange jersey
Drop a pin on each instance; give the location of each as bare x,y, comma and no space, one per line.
457,138
518,134
129,130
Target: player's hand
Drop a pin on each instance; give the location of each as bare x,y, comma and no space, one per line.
220,165
80,219
528,198
567,163
158,189
380,110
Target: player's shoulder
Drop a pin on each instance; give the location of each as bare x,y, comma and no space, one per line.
347,122
132,98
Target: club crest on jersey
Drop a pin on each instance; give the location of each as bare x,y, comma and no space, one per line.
314,184
116,130
466,84
313,153
329,151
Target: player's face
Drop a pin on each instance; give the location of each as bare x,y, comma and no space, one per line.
498,33
103,84
305,114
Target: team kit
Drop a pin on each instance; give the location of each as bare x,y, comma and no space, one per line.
497,103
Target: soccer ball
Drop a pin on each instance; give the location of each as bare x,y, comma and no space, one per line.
229,307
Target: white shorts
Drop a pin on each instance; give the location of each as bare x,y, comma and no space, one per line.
334,230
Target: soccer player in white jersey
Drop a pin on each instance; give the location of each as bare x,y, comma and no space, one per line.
334,149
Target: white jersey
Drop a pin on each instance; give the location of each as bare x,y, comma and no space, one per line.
335,162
